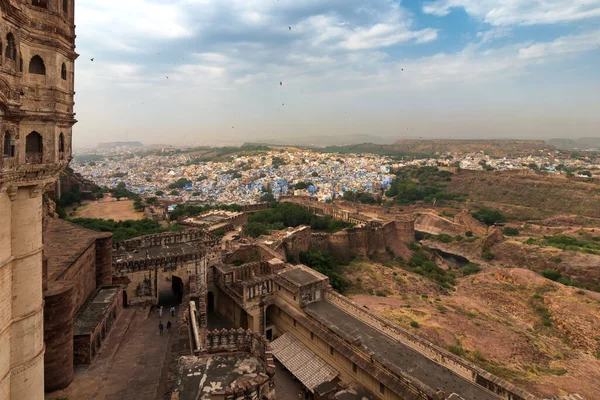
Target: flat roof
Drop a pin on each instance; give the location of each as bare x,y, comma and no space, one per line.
156,251
301,276
201,376
93,311
64,242
395,355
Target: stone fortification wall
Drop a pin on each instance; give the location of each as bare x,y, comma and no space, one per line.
458,365
297,242
104,260
255,207
165,239
319,241
58,335
364,241
82,273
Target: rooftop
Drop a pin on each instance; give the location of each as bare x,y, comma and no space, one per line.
157,251
301,276
93,311
395,355
198,376
64,242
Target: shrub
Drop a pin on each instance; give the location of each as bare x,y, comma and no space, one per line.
458,350
487,254
470,269
381,293
414,324
489,216
551,274
469,234
444,238
509,231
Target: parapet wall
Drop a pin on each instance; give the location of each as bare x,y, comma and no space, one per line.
167,238
104,261
168,260
461,367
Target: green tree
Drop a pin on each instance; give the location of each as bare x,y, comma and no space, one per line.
489,216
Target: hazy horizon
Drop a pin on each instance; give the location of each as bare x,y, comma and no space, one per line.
209,72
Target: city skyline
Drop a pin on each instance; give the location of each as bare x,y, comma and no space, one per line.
202,71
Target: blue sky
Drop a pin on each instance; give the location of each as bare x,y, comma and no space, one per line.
209,71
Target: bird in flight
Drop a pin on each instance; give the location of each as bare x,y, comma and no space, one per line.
91,59
280,83
290,27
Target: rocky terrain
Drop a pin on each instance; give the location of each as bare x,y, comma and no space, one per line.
512,322
526,196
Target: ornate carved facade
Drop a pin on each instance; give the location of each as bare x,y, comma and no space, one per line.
37,55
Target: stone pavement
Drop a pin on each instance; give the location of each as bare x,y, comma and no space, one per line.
130,363
286,387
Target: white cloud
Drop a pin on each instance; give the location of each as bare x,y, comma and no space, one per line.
384,35
117,25
562,46
519,12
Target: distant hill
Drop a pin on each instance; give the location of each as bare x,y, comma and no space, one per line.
426,148
495,148
589,143
111,145
323,141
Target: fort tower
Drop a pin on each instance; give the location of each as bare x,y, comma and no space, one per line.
37,55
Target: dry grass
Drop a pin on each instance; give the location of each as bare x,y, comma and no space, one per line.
118,210
528,196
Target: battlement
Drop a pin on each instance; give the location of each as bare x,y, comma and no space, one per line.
166,239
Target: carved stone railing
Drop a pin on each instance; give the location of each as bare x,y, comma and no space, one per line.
34,158
8,162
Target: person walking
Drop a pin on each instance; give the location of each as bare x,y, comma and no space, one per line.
169,326
172,311
160,328
160,311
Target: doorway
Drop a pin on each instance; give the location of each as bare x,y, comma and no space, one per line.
124,298
210,302
171,290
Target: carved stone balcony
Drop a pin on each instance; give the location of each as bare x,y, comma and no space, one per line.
34,158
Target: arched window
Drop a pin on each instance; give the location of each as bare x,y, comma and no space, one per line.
61,146
63,72
40,3
66,6
34,148
11,47
9,145
36,66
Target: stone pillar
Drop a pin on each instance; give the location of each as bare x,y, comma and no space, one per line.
58,335
27,329
5,293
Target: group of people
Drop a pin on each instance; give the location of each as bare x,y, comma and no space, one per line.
161,327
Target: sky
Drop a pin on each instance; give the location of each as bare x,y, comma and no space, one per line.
221,72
